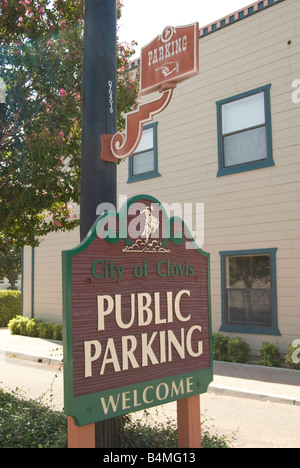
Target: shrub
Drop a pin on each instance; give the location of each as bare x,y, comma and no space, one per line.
292,358
23,321
148,432
32,328
35,328
45,330
238,351
10,306
57,332
30,424
220,346
269,355
14,325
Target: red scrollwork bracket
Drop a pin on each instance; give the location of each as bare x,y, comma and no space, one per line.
122,145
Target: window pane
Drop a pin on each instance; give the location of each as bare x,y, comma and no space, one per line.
252,307
143,162
236,306
243,113
261,306
146,141
249,290
245,147
248,271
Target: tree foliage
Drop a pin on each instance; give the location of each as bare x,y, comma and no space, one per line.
10,266
41,44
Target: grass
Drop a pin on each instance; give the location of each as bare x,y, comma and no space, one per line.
30,424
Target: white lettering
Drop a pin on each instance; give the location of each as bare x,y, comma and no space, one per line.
189,385
158,319
177,306
119,320
147,312
132,399
176,389
111,402
147,351
128,353
103,312
168,50
88,357
161,53
166,391
113,359
178,46
189,342
150,56
180,347
145,395
125,399
143,307
141,350
131,351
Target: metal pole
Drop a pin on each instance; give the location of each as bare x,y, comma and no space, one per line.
98,178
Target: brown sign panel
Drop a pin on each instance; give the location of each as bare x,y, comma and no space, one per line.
137,315
170,58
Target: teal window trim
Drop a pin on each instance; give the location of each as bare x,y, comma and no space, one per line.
257,330
249,166
146,175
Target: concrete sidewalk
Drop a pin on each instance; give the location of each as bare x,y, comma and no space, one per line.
247,381
35,349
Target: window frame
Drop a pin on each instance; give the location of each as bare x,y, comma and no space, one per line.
251,165
248,328
145,175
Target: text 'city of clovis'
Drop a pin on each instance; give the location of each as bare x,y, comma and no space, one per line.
154,347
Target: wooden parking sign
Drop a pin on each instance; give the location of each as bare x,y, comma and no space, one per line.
137,323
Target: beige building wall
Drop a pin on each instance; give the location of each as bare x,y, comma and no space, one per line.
46,276
249,210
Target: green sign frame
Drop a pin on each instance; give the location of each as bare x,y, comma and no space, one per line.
123,399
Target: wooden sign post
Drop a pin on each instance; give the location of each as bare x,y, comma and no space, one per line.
137,319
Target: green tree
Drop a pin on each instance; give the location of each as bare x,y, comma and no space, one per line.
41,45
10,266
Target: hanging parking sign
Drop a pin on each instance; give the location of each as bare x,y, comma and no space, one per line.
171,57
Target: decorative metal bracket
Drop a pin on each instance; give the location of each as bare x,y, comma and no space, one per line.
122,145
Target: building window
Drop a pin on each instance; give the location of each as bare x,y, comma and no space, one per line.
249,297
143,163
244,132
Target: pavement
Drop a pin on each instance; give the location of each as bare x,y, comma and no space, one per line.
247,381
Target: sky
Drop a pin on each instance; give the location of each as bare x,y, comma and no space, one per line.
143,20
